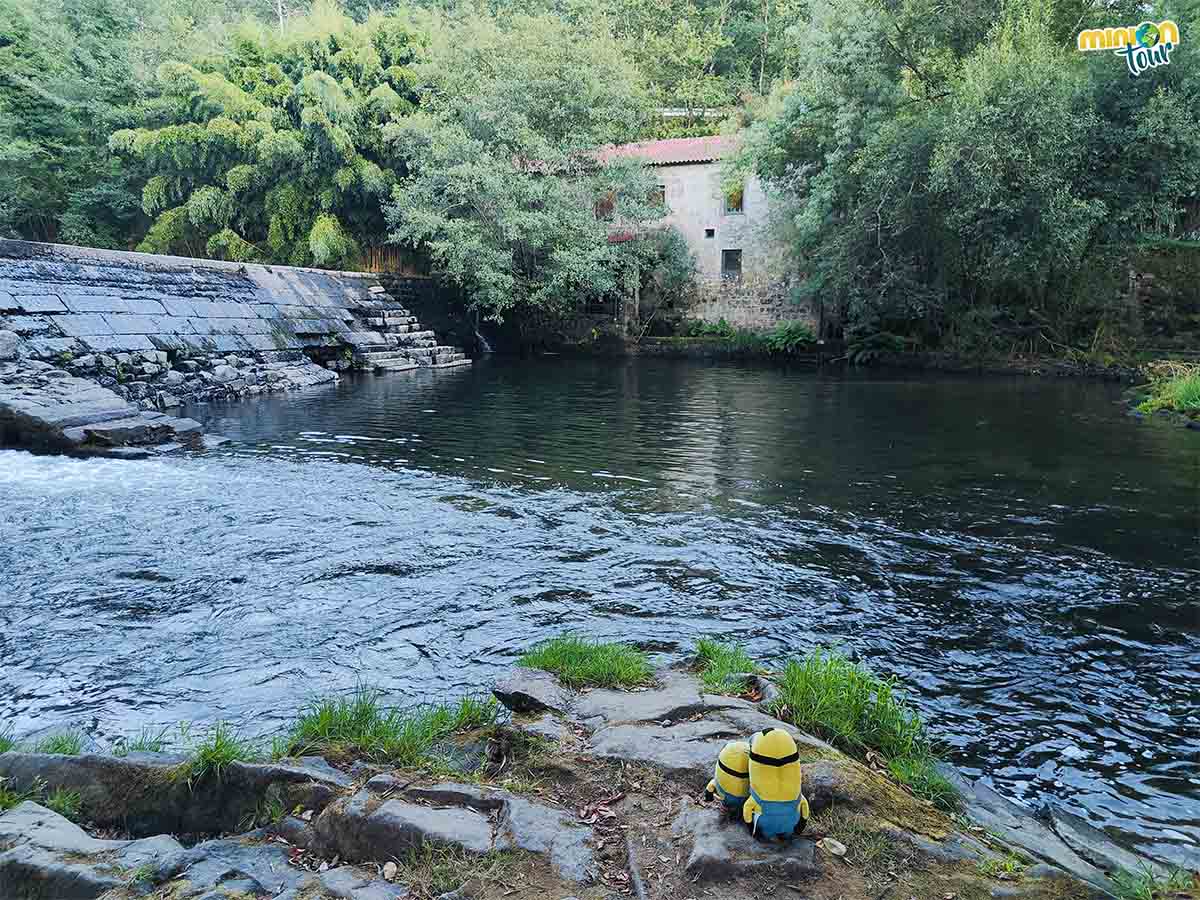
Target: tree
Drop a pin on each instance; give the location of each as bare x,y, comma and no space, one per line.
273,147
501,182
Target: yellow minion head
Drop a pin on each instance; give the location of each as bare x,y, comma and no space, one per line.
775,766
732,770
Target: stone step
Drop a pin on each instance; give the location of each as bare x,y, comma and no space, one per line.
377,356
453,364
399,365
389,322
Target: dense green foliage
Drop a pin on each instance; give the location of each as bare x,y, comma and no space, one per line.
501,187
273,149
958,177
955,178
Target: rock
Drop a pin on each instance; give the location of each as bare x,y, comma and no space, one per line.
1090,843
389,871
189,365
531,691
224,374
10,345
124,359
150,369
143,793
85,362
686,750
173,378
536,828
106,362
476,820
347,883
677,697
1016,826
168,401
723,848
833,846
547,726
45,855
361,828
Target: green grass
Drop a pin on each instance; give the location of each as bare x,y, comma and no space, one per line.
721,664
10,796
359,725
1147,884
7,741
215,752
69,743
65,803
148,740
827,694
1010,866
433,871
1180,394
580,663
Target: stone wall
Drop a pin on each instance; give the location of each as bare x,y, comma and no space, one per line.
97,345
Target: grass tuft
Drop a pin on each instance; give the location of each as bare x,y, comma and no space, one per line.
1010,866
213,755
827,694
359,725
7,741
66,803
1148,884
1173,386
721,665
69,743
10,796
580,663
148,740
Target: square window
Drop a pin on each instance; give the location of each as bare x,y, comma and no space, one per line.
733,202
731,263
710,232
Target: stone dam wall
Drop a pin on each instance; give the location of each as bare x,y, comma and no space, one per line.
99,347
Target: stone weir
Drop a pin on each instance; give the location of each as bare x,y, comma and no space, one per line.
98,348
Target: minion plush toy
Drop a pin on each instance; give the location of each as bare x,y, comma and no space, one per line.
731,778
776,807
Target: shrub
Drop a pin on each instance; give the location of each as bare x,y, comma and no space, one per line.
788,337
579,662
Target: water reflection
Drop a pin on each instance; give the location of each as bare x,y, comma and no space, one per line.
1015,550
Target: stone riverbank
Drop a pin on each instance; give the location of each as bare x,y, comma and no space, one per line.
592,795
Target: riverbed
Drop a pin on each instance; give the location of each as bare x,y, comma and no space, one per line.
1019,552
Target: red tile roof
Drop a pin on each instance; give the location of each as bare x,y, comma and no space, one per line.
673,151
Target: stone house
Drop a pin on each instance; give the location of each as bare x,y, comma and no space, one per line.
740,263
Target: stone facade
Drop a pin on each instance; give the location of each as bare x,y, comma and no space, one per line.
755,296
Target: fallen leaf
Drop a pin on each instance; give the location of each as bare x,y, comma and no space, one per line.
832,845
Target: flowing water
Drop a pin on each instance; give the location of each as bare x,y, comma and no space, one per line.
1020,553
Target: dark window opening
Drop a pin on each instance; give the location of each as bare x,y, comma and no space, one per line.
710,232
733,202
731,263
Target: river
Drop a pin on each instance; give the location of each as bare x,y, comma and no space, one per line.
1017,551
